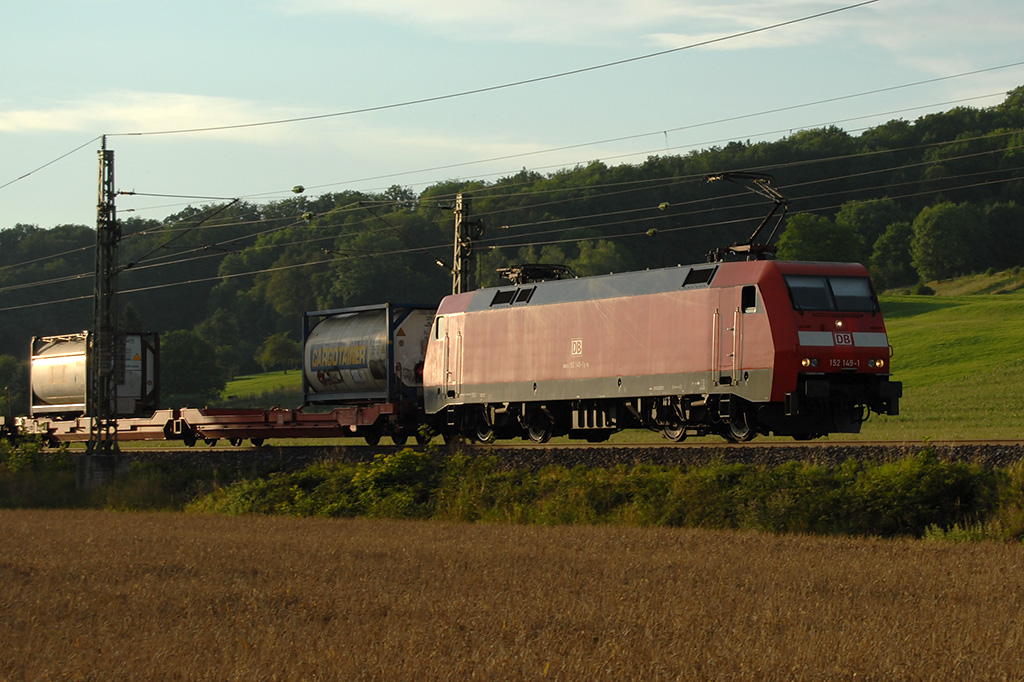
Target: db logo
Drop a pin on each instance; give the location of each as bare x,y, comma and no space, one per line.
577,346
844,339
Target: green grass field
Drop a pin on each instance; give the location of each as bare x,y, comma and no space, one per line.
959,354
961,361
282,388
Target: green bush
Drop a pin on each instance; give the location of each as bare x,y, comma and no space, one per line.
33,477
399,485
921,496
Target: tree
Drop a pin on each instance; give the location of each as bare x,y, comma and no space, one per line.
598,258
224,333
279,352
190,375
13,386
949,240
890,261
1006,229
869,220
810,237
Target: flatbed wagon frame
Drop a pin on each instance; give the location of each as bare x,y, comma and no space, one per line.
191,425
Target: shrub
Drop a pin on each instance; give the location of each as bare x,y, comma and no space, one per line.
32,477
918,496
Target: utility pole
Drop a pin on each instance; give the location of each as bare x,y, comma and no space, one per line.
466,231
105,365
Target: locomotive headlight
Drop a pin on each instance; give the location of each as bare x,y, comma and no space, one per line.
876,364
809,362
839,323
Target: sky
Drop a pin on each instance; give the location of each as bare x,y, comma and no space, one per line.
378,93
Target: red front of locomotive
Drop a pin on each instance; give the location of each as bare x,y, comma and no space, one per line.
831,348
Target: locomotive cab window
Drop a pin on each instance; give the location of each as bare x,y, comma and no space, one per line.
844,294
853,294
748,300
439,330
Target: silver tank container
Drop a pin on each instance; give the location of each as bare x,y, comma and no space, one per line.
365,354
59,376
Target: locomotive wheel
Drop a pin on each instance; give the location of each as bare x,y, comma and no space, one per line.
188,437
739,429
539,430
422,438
484,433
399,438
674,432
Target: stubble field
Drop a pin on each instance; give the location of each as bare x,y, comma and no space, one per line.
87,595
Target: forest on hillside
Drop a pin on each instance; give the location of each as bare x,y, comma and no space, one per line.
916,201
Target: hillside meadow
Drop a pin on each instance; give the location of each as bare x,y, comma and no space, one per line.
961,361
89,595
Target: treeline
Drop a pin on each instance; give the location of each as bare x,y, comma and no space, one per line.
916,200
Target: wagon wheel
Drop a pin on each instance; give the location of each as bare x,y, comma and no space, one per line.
372,437
210,441
399,438
422,436
235,441
256,441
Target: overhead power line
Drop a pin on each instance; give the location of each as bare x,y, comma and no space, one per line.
514,84
463,93
702,124
50,163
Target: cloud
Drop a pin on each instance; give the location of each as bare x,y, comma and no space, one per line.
662,22
142,112
945,36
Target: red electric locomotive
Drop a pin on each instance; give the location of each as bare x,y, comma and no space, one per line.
735,348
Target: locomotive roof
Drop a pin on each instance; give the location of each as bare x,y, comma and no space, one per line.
636,283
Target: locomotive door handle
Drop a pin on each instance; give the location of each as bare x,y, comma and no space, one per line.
716,343
737,345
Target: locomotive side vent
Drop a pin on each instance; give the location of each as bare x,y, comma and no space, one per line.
699,276
524,295
503,297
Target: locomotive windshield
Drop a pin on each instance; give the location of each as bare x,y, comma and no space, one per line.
844,294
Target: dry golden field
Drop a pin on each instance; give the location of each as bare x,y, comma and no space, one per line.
165,596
